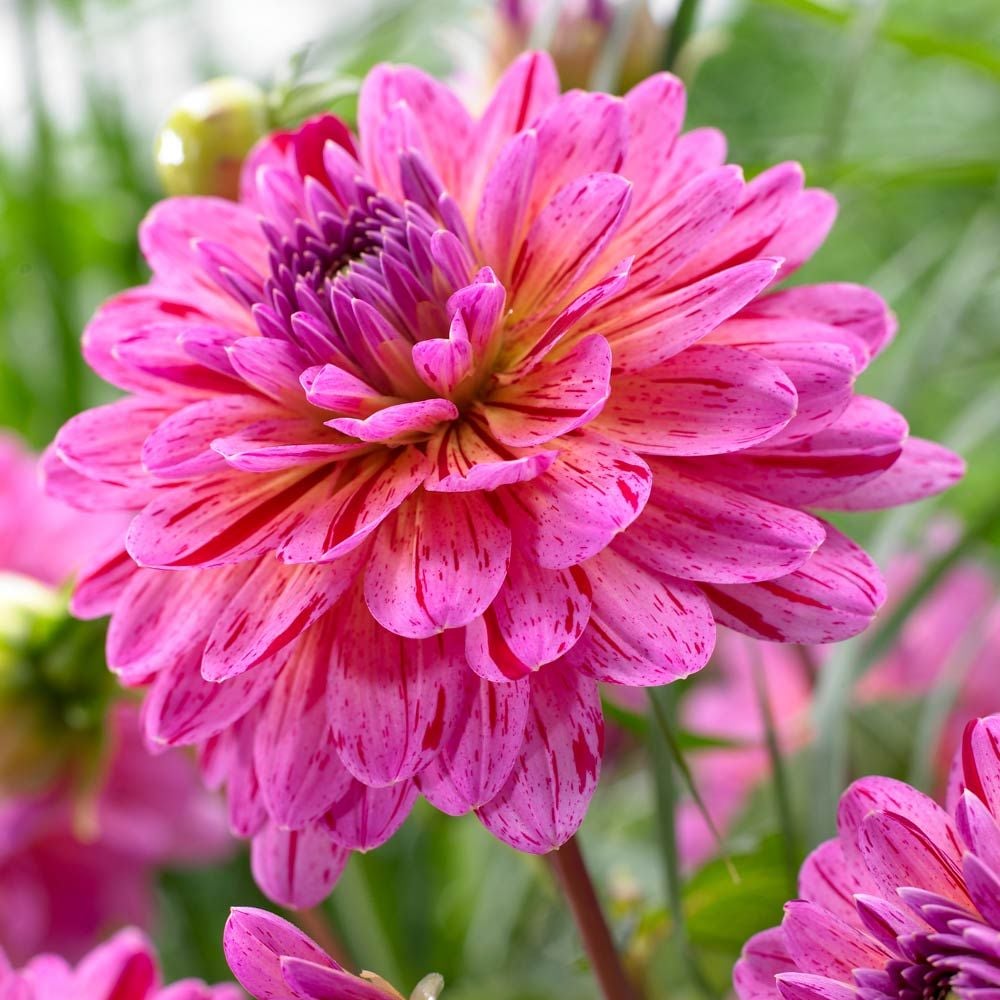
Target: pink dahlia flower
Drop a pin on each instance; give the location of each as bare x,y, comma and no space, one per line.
125,968
272,959
440,426
77,850
905,902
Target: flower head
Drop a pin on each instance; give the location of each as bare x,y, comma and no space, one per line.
85,811
443,424
124,968
904,902
273,959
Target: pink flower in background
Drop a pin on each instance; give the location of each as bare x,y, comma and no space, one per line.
78,849
951,637
125,968
440,427
904,902
272,959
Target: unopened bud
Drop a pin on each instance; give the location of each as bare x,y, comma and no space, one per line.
207,135
429,988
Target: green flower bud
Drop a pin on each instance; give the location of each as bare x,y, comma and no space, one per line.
54,688
206,136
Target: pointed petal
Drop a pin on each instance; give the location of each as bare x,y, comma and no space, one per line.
363,818
296,868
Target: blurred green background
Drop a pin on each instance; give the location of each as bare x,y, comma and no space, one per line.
893,104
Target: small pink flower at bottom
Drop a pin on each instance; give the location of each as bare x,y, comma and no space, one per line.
125,968
273,959
904,902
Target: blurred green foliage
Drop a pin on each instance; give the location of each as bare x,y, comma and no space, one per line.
894,105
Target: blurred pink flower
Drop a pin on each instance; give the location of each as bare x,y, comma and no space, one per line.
952,636
76,855
438,428
125,968
905,902
272,958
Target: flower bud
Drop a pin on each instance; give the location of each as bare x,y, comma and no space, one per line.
54,688
206,136
429,988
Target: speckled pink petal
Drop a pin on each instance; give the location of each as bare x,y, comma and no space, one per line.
764,956
708,400
319,982
700,530
832,596
546,797
255,941
820,942
363,818
645,630
296,868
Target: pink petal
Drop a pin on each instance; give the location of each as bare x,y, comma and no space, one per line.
393,702
101,582
473,768
556,397
544,801
418,417
318,982
125,966
796,986
144,634
224,518
767,201
922,470
254,942
979,830
644,630
854,308
296,868
566,237
351,505
333,388
437,563
272,367
363,818
249,630
705,401
442,125
182,708
764,956
832,596
83,493
443,363
655,114
294,756
858,447
700,530
822,943
481,305
831,879
528,86
541,613
980,760
807,223
664,325
464,460
594,490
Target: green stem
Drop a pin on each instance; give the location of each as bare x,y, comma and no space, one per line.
680,31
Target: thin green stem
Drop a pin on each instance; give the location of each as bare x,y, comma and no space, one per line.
680,31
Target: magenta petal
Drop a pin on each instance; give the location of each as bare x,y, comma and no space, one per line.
595,489
645,630
764,956
831,879
705,401
700,530
795,986
101,582
983,884
981,761
248,629
363,818
437,563
182,708
255,941
475,766
319,982
296,868
546,797
295,760
541,613
923,469
820,942
655,114
393,702
832,596
443,363
553,399
393,421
